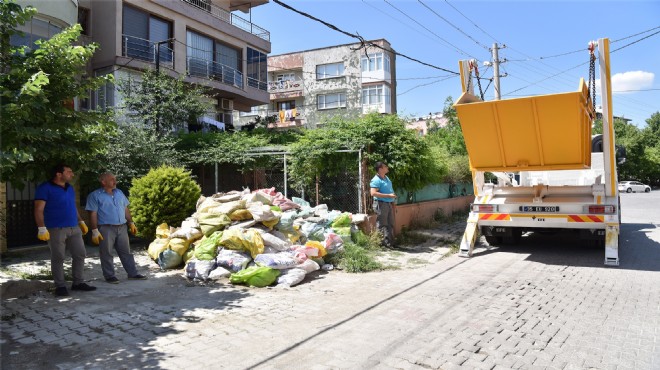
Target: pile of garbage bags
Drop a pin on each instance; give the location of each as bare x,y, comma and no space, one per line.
257,238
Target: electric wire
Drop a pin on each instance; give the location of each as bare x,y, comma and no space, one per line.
453,25
362,41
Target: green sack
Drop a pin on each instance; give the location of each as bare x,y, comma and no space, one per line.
212,222
207,249
259,276
342,221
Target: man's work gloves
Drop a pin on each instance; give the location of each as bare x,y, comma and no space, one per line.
96,237
83,227
132,228
43,234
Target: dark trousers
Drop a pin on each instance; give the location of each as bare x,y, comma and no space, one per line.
385,221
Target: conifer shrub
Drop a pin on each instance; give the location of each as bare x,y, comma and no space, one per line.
165,194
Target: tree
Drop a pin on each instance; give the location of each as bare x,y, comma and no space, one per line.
162,103
39,126
382,137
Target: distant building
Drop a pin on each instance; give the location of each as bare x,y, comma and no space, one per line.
204,40
424,123
307,87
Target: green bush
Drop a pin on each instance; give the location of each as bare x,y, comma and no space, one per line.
165,194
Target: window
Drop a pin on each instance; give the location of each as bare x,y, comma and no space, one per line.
285,105
376,94
329,70
254,111
83,20
328,101
286,77
376,62
212,59
34,29
140,33
257,69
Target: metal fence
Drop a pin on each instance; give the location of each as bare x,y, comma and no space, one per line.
340,192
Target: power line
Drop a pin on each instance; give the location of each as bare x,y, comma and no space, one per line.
426,84
451,24
362,41
474,24
636,41
460,51
637,34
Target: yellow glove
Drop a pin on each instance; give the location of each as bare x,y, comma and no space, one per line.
83,227
132,228
43,234
96,237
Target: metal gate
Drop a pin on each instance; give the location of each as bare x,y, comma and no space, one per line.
21,227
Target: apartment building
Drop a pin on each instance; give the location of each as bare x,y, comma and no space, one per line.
207,41
308,87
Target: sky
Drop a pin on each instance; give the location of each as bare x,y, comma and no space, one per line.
545,44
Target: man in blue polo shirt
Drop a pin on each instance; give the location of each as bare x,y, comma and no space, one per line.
59,223
109,212
384,202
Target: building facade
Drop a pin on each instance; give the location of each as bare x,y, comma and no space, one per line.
308,87
204,40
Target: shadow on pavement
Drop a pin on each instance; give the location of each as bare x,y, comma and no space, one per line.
637,251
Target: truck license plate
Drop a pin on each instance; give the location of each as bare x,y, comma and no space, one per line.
539,209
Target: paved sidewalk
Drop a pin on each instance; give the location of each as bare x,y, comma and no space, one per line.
539,305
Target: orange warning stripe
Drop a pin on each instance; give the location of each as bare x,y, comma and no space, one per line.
585,218
495,216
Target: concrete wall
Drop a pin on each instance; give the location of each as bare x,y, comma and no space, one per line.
64,11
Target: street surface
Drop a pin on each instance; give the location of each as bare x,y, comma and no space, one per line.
547,303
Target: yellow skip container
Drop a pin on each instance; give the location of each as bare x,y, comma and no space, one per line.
538,133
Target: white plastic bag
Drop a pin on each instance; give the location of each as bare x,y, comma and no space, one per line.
291,277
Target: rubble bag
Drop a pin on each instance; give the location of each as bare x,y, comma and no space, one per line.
179,245
206,250
269,224
258,276
279,261
275,242
253,242
240,215
157,246
219,273
211,222
232,239
232,260
342,220
169,259
314,244
313,231
199,270
162,231
290,277
190,253
309,266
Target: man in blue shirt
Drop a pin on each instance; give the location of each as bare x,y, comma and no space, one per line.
110,220
384,202
59,224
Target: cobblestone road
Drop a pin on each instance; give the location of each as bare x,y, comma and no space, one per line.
548,303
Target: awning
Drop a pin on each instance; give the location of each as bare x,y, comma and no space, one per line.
212,122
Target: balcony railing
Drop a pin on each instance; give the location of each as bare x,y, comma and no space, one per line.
284,86
228,17
137,48
200,67
261,85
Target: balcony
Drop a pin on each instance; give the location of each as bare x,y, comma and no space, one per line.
209,69
137,48
228,17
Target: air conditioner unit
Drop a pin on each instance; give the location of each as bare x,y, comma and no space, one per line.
226,104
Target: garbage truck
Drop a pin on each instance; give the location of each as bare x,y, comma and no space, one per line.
552,174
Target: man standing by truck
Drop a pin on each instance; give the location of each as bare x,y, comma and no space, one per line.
384,203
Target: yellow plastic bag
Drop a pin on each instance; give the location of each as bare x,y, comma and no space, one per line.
317,245
240,215
271,223
162,232
232,239
253,242
179,245
156,247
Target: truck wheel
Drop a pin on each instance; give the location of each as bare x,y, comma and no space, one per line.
493,240
629,190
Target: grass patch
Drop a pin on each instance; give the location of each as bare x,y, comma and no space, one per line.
43,273
360,255
417,261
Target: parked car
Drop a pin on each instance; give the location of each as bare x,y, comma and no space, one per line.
633,187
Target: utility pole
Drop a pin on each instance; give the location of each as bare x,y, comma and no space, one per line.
496,71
